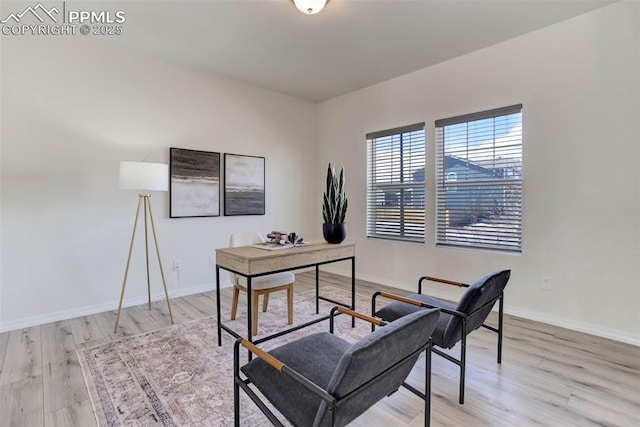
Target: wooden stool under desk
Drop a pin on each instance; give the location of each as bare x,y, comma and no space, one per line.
256,291
263,285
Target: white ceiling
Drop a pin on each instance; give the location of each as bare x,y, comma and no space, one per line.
350,45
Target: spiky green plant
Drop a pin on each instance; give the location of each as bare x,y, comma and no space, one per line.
334,206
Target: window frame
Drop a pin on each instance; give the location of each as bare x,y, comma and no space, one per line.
502,230
411,224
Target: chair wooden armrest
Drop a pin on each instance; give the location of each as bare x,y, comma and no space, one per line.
397,298
439,280
400,298
360,316
412,302
352,313
275,363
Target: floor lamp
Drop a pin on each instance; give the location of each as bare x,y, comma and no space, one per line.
144,177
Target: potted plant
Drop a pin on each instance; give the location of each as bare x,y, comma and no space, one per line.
334,207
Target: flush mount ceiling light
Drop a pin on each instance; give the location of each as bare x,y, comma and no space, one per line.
310,7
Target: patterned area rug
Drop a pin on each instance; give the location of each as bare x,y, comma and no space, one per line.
178,376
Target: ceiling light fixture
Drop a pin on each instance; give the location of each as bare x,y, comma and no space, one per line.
310,7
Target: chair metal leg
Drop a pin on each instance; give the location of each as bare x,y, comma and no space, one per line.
373,309
427,386
500,317
463,360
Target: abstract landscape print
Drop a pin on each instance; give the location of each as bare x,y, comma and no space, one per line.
195,183
243,185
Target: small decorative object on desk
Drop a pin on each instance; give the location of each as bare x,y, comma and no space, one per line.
294,238
276,236
281,240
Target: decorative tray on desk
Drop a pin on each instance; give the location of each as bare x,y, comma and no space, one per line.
276,246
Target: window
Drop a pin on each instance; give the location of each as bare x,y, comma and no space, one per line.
395,183
479,180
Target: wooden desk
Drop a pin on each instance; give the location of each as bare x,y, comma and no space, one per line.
253,262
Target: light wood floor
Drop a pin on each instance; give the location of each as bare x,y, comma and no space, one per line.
549,375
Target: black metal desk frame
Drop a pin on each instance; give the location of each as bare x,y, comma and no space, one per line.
319,297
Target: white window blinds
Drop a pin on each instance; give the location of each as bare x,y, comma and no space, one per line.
395,183
479,180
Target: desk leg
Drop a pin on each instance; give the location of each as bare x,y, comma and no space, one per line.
317,290
353,290
249,315
218,305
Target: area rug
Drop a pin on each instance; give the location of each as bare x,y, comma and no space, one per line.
178,376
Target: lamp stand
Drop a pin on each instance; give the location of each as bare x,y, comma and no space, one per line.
144,200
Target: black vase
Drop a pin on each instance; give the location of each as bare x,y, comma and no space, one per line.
334,233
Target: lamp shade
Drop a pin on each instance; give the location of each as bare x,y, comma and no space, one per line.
310,7
143,176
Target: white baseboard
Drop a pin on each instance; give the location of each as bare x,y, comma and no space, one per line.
588,328
99,308
563,322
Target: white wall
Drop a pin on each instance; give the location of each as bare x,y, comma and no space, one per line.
578,82
72,109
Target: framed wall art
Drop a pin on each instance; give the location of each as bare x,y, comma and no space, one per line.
194,189
244,185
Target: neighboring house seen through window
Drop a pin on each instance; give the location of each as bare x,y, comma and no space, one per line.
479,180
395,183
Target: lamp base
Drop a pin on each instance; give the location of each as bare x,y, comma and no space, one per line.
143,200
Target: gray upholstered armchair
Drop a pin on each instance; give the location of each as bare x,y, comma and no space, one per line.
456,320
322,380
